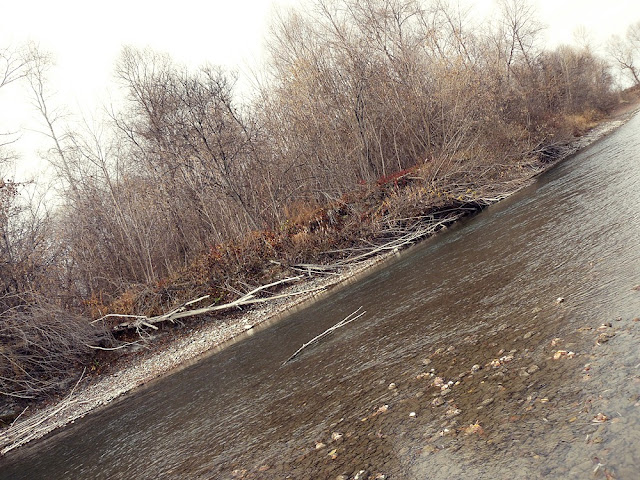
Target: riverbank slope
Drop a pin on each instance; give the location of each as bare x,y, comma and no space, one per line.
143,365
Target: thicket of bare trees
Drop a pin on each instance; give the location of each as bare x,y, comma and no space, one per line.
40,342
185,181
354,91
362,89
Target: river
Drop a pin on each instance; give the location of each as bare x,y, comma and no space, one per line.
527,310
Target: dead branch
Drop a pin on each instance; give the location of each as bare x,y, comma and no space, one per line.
18,417
116,315
350,318
406,236
181,312
110,349
25,431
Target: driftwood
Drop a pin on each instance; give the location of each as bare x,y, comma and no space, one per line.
23,432
111,349
182,311
350,318
405,237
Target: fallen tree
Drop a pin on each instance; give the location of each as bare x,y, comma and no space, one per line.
403,238
140,321
421,227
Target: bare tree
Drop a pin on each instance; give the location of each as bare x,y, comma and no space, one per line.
12,68
625,51
39,64
520,29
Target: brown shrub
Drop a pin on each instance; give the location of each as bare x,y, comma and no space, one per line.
42,347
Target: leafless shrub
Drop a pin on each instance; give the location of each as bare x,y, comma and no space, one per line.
41,346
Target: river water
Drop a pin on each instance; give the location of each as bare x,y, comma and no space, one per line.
476,306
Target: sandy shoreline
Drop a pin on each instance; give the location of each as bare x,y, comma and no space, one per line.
92,394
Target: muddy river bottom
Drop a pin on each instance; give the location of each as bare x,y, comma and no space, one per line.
519,402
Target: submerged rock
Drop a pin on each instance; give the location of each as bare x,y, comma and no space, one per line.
428,450
438,382
452,412
472,429
485,402
563,354
604,337
533,369
600,418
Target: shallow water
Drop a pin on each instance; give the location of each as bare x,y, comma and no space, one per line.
484,290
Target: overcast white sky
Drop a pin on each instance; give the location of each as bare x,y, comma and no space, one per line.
86,38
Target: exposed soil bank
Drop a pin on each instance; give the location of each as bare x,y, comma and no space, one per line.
145,366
